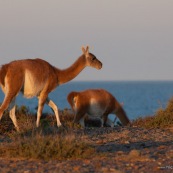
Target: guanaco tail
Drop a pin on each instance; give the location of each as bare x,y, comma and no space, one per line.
36,77
95,103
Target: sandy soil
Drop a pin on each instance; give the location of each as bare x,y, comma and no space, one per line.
122,149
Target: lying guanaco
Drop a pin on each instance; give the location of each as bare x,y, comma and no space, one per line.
36,77
95,103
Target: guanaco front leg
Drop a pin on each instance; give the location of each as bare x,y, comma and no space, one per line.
41,100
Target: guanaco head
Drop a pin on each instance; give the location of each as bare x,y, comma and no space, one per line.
91,59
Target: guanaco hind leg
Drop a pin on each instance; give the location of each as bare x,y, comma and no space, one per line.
5,104
11,88
7,101
12,114
55,109
79,118
82,122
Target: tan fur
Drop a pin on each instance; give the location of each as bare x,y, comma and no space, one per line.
96,103
36,77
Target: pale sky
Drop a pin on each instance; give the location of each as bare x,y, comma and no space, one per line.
132,38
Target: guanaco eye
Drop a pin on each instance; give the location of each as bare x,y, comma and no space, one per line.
93,58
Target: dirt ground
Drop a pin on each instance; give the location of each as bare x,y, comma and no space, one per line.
120,149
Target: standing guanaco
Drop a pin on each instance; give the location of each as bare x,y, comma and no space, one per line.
36,77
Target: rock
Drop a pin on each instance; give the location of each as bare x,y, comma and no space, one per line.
134,153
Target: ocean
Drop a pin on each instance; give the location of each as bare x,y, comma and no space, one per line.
139,98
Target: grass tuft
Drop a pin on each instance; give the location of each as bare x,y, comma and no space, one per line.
46,142
46,147
163,118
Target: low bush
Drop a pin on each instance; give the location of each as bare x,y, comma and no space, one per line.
46,147
46,142
163,118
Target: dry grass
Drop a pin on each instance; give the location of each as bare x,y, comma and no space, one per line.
163,118
46,142
49,142
47,147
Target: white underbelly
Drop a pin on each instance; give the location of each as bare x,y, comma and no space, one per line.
31,91
32,87
95,109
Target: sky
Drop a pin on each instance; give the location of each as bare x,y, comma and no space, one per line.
132,38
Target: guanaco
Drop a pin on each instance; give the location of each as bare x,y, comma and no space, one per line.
95,103
36,77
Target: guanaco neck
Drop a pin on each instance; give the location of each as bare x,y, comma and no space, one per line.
70,73
122,116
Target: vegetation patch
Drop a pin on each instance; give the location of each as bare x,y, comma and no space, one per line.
163,118
50,142
47,147
46,142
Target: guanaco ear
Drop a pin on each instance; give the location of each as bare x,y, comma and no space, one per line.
83,50
87,49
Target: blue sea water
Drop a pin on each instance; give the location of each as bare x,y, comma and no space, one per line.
140,98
